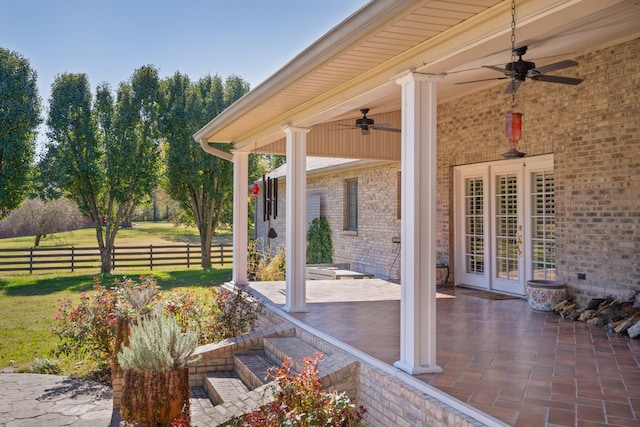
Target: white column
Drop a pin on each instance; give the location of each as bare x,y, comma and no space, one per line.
240,212
296,219
418,225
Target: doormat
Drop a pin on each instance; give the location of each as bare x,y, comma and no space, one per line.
489,295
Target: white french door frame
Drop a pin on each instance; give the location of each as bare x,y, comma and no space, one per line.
475,207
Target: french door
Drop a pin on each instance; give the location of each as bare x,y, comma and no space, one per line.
504,223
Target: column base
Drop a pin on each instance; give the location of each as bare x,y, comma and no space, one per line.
239,283
295,309
416,370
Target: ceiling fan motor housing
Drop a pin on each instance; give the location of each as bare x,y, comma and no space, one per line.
364,122
519,69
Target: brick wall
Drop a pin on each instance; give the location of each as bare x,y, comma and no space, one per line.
593,130
370,249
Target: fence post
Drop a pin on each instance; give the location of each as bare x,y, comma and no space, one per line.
188,256
151,257
72,259
30,260
221,254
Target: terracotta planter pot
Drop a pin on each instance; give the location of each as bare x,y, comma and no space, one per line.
123,331
155,398
544,294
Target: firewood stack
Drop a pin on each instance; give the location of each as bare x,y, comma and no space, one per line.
614,314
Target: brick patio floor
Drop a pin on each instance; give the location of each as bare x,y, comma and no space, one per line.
522,367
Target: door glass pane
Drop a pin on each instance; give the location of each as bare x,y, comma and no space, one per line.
474,225
507,244
543,248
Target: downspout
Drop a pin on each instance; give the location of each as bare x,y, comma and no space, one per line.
214,151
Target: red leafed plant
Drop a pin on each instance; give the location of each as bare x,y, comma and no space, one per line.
300,402
86,331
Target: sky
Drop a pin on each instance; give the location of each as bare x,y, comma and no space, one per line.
109,39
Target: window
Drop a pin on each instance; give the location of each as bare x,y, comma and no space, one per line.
351,205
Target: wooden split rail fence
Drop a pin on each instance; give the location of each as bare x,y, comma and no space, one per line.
123,257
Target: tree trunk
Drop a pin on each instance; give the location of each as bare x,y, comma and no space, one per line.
205,246
128,221
105,260
37,242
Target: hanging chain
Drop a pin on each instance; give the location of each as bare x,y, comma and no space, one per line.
513,51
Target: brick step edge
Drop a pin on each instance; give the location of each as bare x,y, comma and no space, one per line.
277,349
253,369
224,386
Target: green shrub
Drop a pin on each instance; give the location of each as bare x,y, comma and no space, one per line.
319,248
218,315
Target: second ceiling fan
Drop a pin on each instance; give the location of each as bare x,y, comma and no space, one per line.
365,124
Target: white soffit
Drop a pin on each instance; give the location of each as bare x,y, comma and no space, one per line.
354,65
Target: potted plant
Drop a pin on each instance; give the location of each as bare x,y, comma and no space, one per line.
134,302
156,377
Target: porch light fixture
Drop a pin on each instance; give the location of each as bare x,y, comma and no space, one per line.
514,133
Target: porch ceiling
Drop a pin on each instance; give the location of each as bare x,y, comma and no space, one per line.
355,64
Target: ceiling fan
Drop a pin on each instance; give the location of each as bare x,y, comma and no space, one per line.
365,124
520,70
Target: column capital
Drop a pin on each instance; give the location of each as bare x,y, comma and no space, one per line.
295,129
412,76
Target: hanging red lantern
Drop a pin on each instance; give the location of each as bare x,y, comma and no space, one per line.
255,189
514,133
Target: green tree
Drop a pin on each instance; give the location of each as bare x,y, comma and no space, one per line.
202,183
105,155
19,118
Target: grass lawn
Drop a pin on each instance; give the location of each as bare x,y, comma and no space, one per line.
143,233
28,303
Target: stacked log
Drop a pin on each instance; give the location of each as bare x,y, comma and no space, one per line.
615,315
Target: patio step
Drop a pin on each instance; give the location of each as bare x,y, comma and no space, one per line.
253,369
234,393
224,386
279,348
200,405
